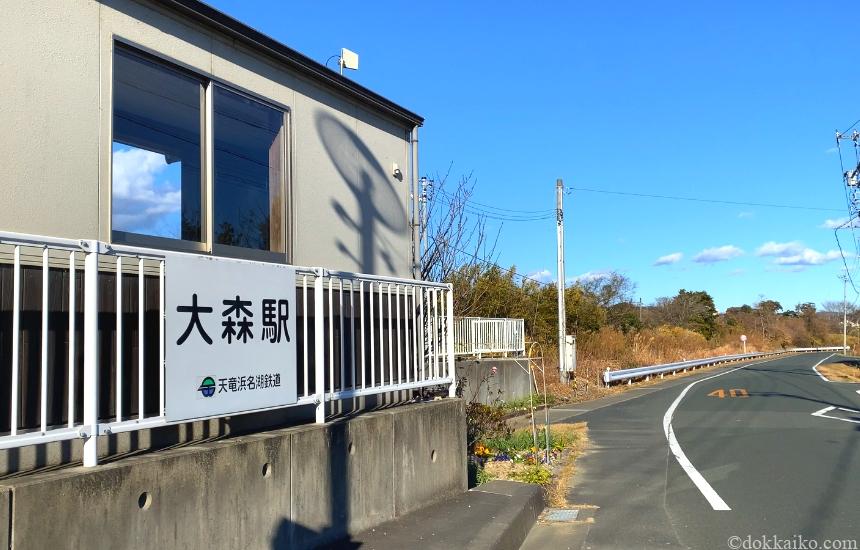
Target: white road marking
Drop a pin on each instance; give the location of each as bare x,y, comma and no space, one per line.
815,367
822,414
716,502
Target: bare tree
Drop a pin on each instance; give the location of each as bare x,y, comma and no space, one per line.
455,235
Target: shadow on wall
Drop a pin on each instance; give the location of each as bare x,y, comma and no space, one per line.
377,202
288,531
325,508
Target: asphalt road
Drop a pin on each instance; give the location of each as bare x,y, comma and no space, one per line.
751,444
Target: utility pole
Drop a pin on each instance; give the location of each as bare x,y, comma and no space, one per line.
844,313
559,216
416,220
422,217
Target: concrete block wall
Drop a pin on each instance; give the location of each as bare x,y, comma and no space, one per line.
5,516
478,383
291,488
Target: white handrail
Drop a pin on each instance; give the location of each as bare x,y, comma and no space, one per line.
392,334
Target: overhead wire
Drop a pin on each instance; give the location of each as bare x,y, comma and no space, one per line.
495,215
856,122
496,208
696,199
851,216
844,261
485,261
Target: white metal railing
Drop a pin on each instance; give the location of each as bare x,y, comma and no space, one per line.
481,335
361,335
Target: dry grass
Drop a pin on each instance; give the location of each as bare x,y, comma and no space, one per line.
611,349
843,371
566,466
562,470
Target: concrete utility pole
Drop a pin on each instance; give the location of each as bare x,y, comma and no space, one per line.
559,214
416,224
425,183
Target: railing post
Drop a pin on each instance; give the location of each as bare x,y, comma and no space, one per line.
449,335
91,357
319,345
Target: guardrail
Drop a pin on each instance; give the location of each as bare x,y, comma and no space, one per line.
83,338
610,376
481,335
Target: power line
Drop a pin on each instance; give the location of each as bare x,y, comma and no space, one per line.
856,122
844,262
496,216
489,207
848,202
695,199
494,264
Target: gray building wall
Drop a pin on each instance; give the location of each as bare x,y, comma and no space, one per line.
347,211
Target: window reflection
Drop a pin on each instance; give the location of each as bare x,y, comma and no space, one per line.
248,172
156,181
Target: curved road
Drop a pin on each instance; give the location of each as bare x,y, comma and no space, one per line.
772,441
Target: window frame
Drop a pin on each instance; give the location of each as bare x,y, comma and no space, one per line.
207,244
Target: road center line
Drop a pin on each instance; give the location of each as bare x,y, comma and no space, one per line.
815,367
716,502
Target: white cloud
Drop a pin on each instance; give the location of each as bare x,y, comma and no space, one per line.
746,215
787,269
144,199
589,276
838,223
544,276
772,248
668,259
795,254
808,256
737,272
718,254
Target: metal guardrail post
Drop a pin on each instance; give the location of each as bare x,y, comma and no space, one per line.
449,335
319,345
91,353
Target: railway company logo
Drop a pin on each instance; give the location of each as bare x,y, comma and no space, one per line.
207,387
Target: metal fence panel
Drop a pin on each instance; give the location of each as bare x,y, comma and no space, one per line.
359,335
482,335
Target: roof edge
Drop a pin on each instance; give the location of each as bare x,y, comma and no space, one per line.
220,21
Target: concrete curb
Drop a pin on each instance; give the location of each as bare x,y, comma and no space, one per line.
516,520
497,515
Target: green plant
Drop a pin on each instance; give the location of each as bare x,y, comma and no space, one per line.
485,422
522,440
536,474
523,403
483,476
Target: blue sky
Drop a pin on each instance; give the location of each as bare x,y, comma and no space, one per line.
728,100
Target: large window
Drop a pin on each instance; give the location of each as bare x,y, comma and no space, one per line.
156,150
248,169
161,192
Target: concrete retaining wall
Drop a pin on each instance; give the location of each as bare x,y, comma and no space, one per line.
478,383
291,488
21,460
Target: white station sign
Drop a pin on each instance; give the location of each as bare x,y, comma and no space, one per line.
743,337
230,336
